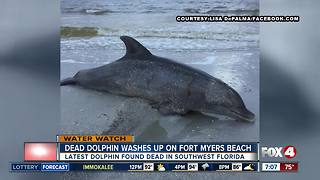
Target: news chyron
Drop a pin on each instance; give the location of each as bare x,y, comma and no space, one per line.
97,153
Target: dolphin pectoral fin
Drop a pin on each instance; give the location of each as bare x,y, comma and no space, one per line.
172,110
163,107
134,48
166,108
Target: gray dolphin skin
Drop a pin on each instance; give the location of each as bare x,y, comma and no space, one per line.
169,86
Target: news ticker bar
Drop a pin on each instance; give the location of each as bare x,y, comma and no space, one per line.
137,167
156,167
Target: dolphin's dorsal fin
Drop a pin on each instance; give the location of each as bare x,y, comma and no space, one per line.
134,48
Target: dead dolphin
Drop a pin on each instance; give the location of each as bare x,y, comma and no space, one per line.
169,86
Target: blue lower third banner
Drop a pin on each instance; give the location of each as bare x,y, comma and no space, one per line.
164,152
142,167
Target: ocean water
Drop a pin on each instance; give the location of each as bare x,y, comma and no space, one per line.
96,25
229,51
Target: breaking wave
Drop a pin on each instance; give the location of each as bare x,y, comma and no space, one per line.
219,11
87,11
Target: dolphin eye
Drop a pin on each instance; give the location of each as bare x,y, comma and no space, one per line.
78,73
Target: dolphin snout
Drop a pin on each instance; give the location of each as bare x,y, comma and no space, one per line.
244,114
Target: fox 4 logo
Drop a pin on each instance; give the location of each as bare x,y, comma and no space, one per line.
278,152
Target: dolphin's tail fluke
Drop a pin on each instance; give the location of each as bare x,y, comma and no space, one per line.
67,81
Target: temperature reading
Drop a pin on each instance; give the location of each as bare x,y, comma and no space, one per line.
289,166
236,166
148,166
192,166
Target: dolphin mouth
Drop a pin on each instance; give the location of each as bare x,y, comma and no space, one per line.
245,115
242,115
